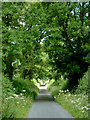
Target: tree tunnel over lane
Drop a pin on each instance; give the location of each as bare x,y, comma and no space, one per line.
42,39
45,40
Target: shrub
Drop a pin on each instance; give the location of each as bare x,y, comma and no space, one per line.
64,84
83,84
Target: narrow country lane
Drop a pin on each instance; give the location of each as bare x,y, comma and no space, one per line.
45,107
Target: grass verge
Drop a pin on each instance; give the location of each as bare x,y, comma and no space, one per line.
17,97
76,102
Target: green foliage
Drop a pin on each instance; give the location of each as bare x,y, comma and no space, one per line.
21,38
53,87
64,85
21,84
16,107
83,84
17,97
44,40
7,87
76,104
76,101
67,43
52,36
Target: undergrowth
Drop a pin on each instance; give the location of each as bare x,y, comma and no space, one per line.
17,97
76,101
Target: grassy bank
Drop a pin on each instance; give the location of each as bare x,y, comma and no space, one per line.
75,102
18,97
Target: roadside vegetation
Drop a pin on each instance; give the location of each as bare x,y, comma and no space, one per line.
75,101
17,97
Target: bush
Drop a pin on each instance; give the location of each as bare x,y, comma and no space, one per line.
24,84
64,84
83,84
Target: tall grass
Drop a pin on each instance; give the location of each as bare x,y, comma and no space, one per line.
17,97
76,101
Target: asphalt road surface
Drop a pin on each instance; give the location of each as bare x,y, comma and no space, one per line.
45,107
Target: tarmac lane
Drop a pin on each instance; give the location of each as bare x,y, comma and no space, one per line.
45,107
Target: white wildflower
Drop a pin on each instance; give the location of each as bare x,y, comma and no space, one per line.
6,98
13,88
87,108
79,103
21,94
15,95
10,97
59,90
82,108
21,98
72,101
17,102
23,90
62,91
82,111
78,98
67,90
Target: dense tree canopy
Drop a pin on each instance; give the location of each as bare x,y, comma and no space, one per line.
45,40
68,40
